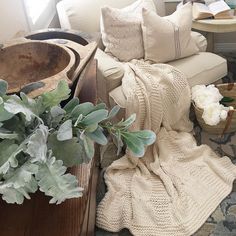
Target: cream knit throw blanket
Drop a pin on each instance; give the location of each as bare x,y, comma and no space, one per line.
174,188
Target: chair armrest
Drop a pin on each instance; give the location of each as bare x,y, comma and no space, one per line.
109,76
200,41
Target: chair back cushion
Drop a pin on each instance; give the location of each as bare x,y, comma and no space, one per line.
84,15
122,32
168,38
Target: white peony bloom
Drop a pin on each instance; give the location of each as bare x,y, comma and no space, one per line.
204,95
208,98
212,113
196,89
223,114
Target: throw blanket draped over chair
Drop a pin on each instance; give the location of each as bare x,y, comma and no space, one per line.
174,188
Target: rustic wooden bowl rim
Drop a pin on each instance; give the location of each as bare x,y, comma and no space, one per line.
63,73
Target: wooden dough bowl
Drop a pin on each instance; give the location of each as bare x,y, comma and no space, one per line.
39,65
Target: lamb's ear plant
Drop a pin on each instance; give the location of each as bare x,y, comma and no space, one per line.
39,139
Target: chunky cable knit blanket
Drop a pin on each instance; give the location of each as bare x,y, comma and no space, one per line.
174,188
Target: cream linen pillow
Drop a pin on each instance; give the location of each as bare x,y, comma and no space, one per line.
121,30
168,38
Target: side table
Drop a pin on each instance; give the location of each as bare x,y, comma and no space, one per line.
211,26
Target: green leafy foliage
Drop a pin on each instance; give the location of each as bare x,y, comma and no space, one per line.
9,151
16,195
25,105
37,144
69,151
226,100
3,87
146,136
71,105
4,114
19,177
6,134
39,139
53,181
54,97
65,131
97,136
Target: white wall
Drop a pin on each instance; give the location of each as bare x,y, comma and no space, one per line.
12,19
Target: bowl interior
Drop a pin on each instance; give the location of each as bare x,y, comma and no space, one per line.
29,62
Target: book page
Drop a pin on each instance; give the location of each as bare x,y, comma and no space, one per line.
218,6
225,15
200,11
201,8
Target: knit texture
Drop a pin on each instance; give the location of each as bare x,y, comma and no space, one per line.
174,188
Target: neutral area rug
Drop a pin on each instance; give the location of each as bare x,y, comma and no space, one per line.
223,220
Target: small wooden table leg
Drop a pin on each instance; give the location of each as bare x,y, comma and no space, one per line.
210,42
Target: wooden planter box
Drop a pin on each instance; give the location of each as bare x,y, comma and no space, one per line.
36,217
75,217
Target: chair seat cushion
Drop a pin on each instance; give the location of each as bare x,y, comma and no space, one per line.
202,68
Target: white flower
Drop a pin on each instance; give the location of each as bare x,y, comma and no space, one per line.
231,108
208,98
223,114
196,89
212,113
204,95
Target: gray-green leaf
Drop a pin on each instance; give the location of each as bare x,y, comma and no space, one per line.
69,151
53,181
16,195
113,112
4,114
128,122
97,136
71,105
57,114
9,151
37,144
65,131
57,111
134,144
6,134
3,87
95,117
28,106
54,97
148,137
19,177
88,145
84,109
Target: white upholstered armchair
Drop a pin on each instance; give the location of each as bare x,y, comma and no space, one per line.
201,68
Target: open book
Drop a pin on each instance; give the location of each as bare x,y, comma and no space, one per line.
218,10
